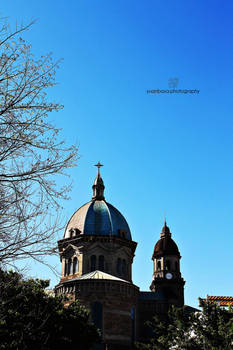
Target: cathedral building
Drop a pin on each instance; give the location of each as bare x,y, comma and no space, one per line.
97,253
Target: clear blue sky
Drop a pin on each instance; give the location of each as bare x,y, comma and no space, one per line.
162,153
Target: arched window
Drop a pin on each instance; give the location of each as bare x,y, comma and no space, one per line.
69,270
101,263
119,266
133,324
159,265
168,265
93,263
75,265
66,268
97,314
123,267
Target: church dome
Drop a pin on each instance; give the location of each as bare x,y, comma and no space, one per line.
165,245
98,217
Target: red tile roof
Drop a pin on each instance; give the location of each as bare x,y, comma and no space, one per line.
221,300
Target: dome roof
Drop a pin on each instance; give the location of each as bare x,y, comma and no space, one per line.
165,246
98,217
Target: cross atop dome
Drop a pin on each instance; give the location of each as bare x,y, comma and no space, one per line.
99,165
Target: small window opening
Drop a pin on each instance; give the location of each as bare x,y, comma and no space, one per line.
168,265
101,263
119,266
75,265
66,268
69,267
77,231
93,263
122,234
124,267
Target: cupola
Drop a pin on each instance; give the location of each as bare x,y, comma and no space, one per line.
165,245
98,217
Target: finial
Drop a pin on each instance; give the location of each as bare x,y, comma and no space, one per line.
99,165
165,229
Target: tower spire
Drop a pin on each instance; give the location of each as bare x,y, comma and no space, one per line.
98,186
165,230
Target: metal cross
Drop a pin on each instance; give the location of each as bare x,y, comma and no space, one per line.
99,165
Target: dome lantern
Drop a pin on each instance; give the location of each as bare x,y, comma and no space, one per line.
98,186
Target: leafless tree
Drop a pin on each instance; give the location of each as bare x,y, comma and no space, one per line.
31,152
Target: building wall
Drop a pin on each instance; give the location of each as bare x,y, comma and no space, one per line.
146,311
116,305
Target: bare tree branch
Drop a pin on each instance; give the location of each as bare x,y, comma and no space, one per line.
32,155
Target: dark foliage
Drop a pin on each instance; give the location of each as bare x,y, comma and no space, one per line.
31,319
211,329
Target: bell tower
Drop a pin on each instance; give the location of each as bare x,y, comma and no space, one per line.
167,277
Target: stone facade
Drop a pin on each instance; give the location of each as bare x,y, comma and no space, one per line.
111,254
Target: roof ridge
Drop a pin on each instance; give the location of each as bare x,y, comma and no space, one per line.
97,274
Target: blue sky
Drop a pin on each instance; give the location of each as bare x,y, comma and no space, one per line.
161,152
